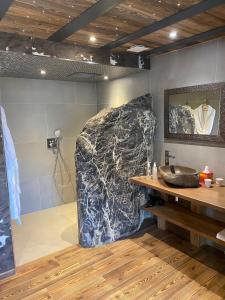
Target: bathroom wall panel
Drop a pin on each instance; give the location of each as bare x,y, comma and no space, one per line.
30,195
36,91
35,160
68,148
27,121
34,109
51,197
48,193
192,66
83,93
220,61
114,93
70,118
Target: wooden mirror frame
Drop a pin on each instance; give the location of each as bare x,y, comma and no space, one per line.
208,140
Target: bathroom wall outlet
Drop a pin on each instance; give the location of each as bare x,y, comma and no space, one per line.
52,143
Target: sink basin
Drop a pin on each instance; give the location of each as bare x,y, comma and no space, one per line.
179,176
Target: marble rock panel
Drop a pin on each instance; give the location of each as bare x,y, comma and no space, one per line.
6,248
112,147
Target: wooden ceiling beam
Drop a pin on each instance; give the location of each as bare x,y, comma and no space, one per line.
198,38
4,6
168,21
89,15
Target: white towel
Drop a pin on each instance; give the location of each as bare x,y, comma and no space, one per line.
12,170
221,235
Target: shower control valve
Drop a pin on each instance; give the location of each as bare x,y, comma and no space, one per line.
52,143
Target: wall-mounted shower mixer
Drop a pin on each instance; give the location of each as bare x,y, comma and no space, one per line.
52,143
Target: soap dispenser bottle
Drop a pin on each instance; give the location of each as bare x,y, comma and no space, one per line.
206,174
154,172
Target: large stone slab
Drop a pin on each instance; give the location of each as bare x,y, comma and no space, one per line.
111,148
7,264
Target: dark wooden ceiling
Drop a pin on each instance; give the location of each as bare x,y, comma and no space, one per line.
42,18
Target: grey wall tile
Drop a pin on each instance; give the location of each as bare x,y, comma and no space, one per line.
68,147
103,106
30,196
48,192
198,156
184,67
70,118
120,91
19,90
195,65
220,61
85,93
35,160
27,122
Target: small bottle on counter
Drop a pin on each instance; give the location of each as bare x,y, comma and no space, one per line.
154,172
148,170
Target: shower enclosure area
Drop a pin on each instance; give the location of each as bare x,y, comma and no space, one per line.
45,118
35,109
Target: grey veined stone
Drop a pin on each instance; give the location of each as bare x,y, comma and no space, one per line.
111,148
181,119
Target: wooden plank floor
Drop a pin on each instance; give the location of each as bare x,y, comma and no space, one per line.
152,265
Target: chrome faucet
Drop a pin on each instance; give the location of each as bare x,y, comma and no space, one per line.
167,157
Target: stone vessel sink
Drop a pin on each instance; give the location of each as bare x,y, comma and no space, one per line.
179,176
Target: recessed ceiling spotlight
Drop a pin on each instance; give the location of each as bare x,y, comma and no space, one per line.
178,4
106,77
43,72
92,38
173,34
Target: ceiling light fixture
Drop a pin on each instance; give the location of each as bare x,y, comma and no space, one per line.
92,38
106,77
137,48
43,72
173,34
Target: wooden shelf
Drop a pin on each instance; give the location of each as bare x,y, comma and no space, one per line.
195,223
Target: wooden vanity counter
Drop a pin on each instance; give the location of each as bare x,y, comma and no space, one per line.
200,226
213,197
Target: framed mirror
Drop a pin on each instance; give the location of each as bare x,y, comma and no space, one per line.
195,114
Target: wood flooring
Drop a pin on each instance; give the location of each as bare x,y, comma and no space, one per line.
154,264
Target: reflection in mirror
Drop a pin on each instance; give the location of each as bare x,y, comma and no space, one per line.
196,112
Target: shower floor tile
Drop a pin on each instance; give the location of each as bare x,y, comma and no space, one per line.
44,232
